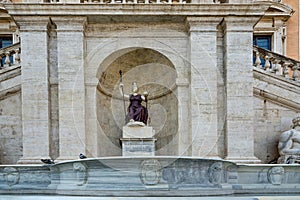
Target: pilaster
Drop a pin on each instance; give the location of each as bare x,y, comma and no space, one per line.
203,60
71,90
238,36
36,121
278,35
184,134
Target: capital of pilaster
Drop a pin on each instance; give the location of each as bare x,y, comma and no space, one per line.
32,23
202,24
239,23
70,23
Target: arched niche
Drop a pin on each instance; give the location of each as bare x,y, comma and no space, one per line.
154,73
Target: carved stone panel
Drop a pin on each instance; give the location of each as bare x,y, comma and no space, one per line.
81,173
215,173
11,176
275,175
150,172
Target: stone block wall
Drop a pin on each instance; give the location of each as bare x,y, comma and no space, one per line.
11,147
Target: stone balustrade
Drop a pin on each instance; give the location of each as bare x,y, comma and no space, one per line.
10,55
142,1
147,1
276,63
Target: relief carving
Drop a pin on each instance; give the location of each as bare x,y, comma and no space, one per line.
150,172
275,175
215,173
81,173
11,176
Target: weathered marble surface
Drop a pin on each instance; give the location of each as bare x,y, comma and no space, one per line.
150,176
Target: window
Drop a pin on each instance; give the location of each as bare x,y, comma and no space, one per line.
6,40
263,41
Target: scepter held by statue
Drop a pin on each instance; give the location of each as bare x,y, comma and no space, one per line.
136,112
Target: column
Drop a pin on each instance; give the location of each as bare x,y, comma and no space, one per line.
71,89
203,61
238,36
36,123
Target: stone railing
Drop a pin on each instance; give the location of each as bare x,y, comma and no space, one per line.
276,63
10,55
140,1
149,1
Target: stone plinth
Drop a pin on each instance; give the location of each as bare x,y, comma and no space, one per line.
138,146
138,131
138,140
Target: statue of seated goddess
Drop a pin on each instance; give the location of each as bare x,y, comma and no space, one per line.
137,113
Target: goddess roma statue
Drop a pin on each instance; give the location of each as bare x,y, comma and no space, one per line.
136,112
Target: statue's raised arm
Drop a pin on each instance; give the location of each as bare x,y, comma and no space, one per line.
121,88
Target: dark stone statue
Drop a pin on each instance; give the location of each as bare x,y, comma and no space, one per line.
136,112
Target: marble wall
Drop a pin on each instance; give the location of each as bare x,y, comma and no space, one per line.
11,147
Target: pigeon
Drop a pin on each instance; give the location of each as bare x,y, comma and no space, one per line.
48,161
81,156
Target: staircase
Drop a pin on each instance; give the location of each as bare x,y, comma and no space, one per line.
277,80
10,70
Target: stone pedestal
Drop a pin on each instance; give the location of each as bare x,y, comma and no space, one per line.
138,141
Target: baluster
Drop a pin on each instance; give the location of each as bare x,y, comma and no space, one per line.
180,1
169,1
123,1
7,60
267,63
257,60
285,70
295,75
17,56
276,66
146,1
1,66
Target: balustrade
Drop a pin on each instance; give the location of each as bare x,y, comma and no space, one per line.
150,1
139,1
276,63
10,55
135,1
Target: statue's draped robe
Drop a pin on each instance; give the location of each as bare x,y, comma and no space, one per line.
136,110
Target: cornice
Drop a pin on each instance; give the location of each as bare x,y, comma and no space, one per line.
58,9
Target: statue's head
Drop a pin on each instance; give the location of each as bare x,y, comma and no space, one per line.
134,88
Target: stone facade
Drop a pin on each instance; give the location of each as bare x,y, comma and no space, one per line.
195,61
11,146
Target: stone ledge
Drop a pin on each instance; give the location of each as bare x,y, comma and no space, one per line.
138,9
